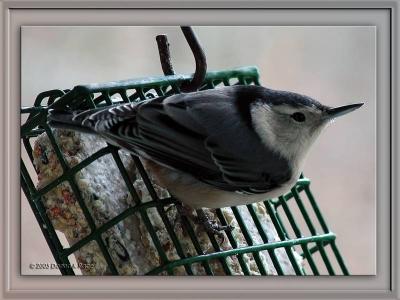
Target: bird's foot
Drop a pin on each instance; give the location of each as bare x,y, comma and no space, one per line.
210,225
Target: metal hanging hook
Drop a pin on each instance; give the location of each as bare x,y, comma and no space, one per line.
200,58
198,53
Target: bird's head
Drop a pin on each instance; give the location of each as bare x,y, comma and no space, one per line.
289,123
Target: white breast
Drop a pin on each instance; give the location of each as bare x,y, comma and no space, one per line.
197,194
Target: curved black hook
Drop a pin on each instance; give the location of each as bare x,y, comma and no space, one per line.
200,58
198,53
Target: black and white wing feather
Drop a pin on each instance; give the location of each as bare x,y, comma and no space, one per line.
207,134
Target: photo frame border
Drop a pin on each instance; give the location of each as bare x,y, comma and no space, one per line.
14,14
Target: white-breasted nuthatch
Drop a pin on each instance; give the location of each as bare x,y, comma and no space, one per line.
214,148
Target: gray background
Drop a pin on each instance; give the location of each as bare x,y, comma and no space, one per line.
335,65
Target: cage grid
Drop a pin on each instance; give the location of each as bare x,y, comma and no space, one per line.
291,232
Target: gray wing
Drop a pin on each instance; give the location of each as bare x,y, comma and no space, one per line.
201,133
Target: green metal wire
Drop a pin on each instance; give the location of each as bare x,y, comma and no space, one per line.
233,242
282,235
264,237
249,240
97,95
248,249
162,213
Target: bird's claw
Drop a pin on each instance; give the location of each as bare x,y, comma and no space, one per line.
211,226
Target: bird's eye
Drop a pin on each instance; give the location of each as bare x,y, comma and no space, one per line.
298,117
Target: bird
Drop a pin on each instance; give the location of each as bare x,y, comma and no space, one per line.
214,148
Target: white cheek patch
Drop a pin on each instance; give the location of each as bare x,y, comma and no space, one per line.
289,141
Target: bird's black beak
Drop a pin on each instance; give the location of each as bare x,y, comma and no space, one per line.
335,112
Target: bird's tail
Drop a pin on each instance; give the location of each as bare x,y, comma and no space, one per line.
76,120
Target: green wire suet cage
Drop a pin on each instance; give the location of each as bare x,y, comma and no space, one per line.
296,217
